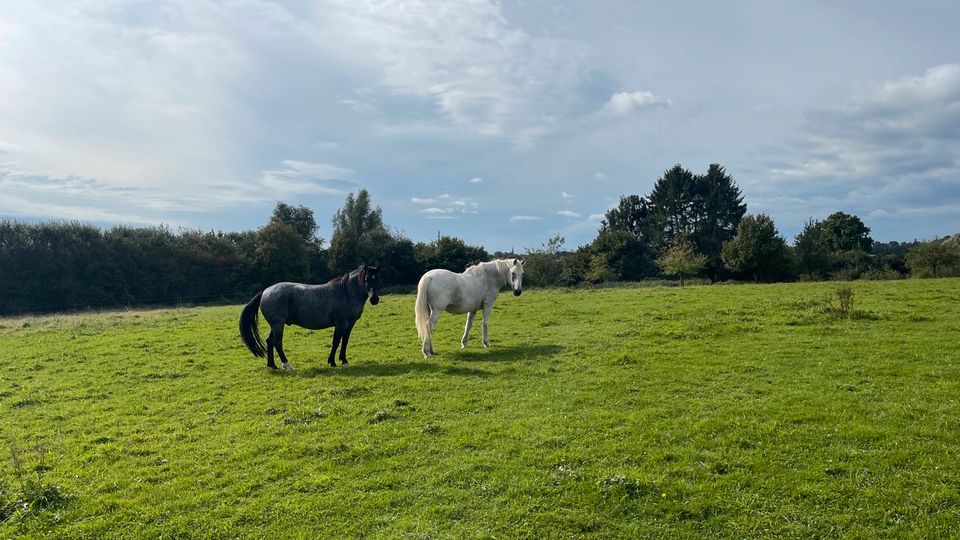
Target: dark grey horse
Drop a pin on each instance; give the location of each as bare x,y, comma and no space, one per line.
338,303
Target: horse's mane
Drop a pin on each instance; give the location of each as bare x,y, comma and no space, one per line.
500,265
344,279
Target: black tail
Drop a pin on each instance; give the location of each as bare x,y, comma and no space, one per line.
248,326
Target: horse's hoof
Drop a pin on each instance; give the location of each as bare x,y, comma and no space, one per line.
332,364
343,362
288,368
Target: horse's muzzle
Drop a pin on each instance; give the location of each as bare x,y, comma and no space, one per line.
516,292
374,300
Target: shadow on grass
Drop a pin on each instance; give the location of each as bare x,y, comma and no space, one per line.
502,354
361,369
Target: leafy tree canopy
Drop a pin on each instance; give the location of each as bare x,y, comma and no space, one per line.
359,235
298,217
681,259
845,232
757,251
934,259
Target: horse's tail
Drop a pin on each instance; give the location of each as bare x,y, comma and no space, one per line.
248,326
422,307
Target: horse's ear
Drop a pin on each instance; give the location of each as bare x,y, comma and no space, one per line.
516,261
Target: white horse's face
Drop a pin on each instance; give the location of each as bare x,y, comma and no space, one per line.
516,277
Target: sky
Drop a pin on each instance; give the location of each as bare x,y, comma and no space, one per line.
503,123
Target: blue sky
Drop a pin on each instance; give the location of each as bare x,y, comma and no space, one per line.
503,123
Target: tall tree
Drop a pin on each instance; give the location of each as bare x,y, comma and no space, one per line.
358,232
717,210
758,251
813,255
673,201
632,215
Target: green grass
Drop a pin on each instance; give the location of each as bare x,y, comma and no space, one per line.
722,411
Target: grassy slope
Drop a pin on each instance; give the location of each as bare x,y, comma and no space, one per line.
707,411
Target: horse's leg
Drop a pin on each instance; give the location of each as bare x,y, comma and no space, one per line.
428,343
487,308
337,334
270,344
466,329
343,344
276,331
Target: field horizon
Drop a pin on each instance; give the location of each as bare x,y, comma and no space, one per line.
645,412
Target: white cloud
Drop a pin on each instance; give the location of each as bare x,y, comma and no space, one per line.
624,103
599,176
6,147
125,103
887,153
308,177
525,218
447,206
100,197
595,217
476,180
892,147
15,206
566,195
569,214
481,73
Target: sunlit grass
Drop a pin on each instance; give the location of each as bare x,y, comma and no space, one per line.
721,411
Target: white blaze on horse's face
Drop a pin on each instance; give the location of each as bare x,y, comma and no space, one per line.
516,277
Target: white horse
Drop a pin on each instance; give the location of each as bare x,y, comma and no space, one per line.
474,289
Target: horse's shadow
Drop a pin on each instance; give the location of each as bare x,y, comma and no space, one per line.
391,369
502,354
441,364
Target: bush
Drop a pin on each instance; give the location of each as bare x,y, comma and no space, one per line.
843,295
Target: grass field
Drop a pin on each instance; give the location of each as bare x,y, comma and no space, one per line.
717,411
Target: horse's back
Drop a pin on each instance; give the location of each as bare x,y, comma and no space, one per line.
309,306
275,301
451,291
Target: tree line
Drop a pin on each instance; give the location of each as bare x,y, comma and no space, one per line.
689,226
697,226
57,266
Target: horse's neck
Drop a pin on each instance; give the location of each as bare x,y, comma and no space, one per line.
497,275
489,273
351,284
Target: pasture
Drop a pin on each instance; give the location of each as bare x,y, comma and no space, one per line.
715,411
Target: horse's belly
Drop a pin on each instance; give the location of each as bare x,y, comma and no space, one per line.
460,308
312,323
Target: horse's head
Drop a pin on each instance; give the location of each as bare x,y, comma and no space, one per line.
372,283
516,276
